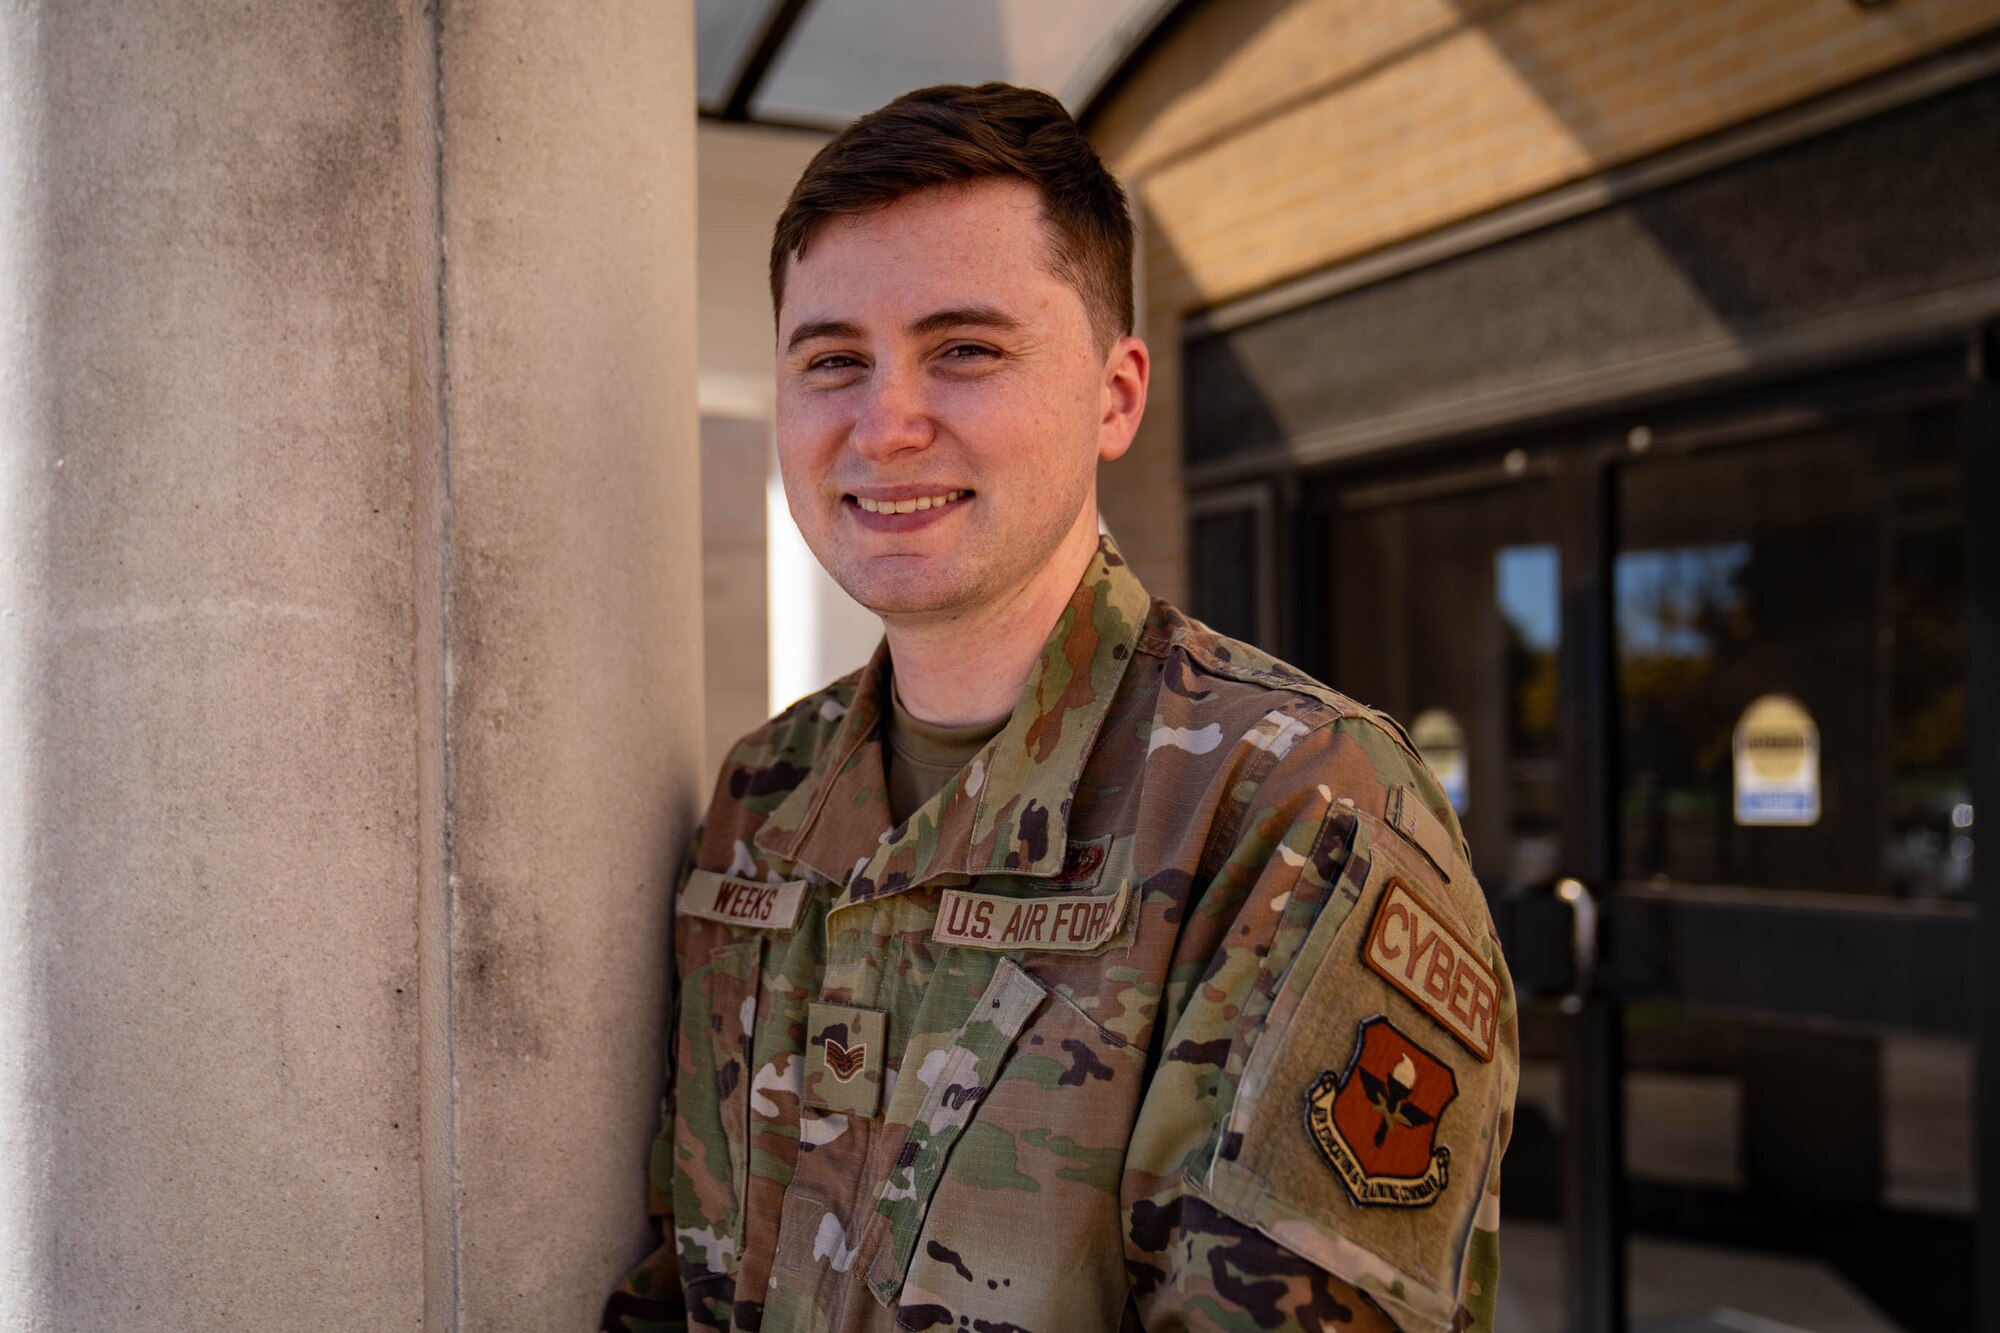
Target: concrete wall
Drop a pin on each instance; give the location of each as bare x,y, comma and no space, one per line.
747,172
1264,139
735,579
814,632
349,655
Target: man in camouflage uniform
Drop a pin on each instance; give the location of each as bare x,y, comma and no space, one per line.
1177,1005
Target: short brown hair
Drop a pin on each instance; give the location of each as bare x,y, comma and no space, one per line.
955,135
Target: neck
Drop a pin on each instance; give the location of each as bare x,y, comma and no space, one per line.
969,666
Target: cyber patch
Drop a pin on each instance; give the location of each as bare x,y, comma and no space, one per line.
1413,949
1376,1124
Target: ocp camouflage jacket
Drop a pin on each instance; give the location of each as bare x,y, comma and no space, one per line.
1179,1007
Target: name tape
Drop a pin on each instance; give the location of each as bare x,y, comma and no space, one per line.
1061,924
741,902
1412,948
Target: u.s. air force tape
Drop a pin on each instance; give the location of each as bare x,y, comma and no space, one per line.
741,902
1063,923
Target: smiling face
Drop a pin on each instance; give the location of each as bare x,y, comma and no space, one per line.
943,404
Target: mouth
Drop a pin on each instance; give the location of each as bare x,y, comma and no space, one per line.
892,515
912,504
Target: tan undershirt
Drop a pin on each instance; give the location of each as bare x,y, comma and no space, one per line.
921,756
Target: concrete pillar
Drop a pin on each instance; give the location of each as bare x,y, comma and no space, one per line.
349,654
814,632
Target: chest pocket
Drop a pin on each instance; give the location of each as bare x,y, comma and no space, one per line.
1002,1203
711,1117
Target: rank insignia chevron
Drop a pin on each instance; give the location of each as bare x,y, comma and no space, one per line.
844,1062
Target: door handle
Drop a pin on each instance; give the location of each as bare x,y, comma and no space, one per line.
1551,936
1582,941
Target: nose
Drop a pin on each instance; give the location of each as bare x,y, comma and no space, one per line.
894,415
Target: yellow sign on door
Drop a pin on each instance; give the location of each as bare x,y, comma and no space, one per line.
1441,741
1777,764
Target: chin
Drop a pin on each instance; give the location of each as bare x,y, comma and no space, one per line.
896,597
922,588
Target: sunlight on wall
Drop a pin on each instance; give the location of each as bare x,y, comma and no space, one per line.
818,633
19,438
794,601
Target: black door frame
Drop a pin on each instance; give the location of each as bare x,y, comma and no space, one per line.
1980,438
1674,944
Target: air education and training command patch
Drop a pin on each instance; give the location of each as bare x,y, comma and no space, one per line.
1376,1124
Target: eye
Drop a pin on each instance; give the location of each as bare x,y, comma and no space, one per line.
968,352
833,361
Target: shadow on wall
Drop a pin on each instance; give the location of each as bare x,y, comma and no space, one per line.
1729,265
1143,496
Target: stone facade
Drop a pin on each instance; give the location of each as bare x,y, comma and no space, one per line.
1265,140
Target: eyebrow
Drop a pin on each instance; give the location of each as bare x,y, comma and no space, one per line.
971,316
821,328
958,317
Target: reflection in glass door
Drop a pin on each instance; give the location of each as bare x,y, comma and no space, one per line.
1789,619
1772,629
1465,655
1825,568
1447,614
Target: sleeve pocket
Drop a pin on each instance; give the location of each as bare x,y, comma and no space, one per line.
1362,1132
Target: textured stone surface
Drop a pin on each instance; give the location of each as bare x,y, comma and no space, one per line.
218,405
575,624
207,559
735,580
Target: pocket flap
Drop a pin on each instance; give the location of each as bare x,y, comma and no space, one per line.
970,1065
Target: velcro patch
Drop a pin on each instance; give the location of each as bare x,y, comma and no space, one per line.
1413,949
844,1059
741,902
1376,1125
1060,924
1423,830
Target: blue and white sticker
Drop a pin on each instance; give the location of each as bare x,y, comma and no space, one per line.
1441,741
1777,764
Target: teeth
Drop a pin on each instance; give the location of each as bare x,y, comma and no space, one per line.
907,506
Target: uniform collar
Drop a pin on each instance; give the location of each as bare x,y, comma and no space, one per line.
1008,812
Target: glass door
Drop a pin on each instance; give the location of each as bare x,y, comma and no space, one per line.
1470,568
1446,611
1826,568
1707,679
1789,625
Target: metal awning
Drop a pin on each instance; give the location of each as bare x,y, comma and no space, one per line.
820,63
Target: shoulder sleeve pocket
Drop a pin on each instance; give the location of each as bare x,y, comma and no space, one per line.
1373,1104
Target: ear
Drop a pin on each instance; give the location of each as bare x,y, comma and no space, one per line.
1126,370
